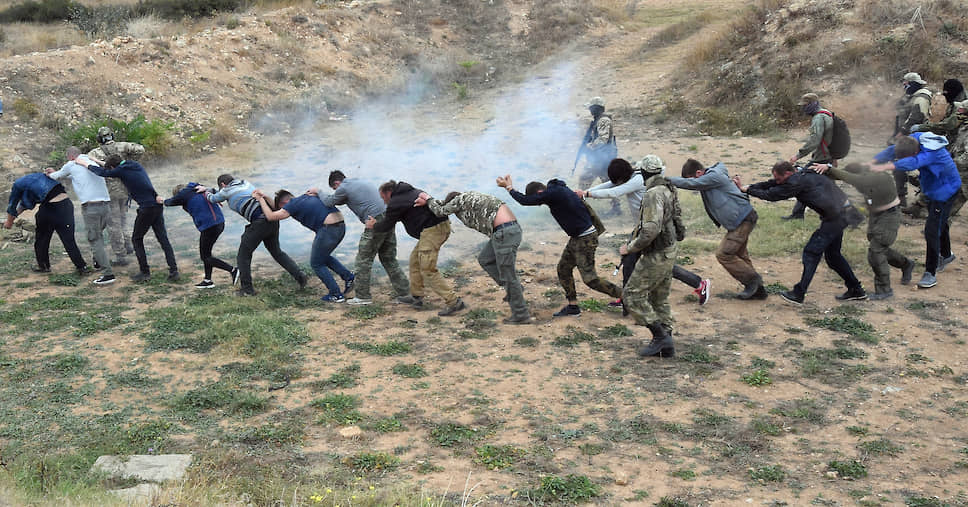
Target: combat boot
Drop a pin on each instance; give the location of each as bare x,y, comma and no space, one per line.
751,289
661,344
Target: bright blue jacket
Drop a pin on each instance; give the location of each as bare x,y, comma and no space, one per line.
29,190
205,214
936,169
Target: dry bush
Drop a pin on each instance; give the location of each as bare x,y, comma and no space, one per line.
25,38
616,11
149,27
886,12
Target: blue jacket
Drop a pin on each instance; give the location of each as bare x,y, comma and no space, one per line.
567,208
724,202
135,180
936,169
205,214
29,190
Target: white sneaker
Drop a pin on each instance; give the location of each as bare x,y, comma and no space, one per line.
359,301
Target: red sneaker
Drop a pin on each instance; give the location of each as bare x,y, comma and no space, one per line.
703,291
616,303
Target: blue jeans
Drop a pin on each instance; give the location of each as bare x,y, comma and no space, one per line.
826,243
936,233
327,239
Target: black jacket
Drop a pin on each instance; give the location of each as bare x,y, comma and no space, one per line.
815,191
567,208
401,209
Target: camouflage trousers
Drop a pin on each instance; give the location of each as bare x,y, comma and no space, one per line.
498,258
118,227
881,233
371,245
580,253
423,264
646,294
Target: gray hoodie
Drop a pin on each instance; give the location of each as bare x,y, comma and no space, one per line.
724,203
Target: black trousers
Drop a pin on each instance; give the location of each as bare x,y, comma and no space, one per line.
206,240
56,217
826,243
151,218
267,233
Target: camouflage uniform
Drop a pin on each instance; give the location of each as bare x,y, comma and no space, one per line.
646,293
117,225
911,109
498,257
383,244
959,152
580,253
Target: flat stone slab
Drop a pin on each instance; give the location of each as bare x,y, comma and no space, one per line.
154,468
142,494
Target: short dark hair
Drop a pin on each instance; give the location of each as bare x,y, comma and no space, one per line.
450,197
691,167
783,167
619,171
224,179
113,161
335,176
280,195
906,146
178,188
534,187
388,187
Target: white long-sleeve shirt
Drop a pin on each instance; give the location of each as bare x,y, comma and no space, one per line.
88,186
633,190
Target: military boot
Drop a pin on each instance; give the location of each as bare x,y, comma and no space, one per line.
751,289
661,344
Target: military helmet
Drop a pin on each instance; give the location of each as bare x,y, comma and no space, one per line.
105,135
651,164
914,77
596,101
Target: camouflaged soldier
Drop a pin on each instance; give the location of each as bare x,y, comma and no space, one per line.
646,294
118,226
952,127
959,152
913,108
489,216
599,148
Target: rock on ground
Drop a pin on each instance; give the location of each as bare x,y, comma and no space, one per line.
160,468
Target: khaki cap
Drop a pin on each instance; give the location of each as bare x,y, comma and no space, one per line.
914,77
808,98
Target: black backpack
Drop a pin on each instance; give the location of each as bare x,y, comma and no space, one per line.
839,145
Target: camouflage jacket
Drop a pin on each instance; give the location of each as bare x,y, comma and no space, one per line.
656,230
959,149
602,132
912,110
127,151
475,209
947,127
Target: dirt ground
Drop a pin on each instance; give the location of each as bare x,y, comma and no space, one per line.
688,428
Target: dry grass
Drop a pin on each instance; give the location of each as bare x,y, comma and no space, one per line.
149,27
23,38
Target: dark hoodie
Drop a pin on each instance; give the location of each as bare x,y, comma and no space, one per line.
401,209
817,192
567,208
953,91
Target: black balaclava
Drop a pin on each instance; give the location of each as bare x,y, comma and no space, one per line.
951,89
912,87
811,108
596,110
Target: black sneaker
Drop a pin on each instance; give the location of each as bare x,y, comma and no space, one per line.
236,275
452,309
568,310
906,272
141,277
173,276
40,269
791,297
857,294
205,284
84,270
97,266
245,292
104,280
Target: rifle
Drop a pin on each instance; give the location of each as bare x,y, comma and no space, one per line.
581,150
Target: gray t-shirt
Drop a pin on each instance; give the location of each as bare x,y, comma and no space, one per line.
362,198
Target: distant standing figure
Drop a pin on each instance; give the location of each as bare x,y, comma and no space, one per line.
56,214
118,228
210,222
914,108
599,148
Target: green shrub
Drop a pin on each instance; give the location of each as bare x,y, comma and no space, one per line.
372,462
25,108
569,489
852,469
155,136
102,20
179,9
44,11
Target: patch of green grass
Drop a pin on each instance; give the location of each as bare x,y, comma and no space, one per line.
454,434
858,431
776,288
805,409
852,469
337,409
684,474
760,363
288,432
925,501
498,457
137,378
219,395
569,489
759,377
389,348
669,501
575,337
592,305
409,370
881,446
67,364
526,341
366,462
343,378
615,331
367,312
64,280
480,320
698,354
855,328
386,425
768,473
765,426
917,358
